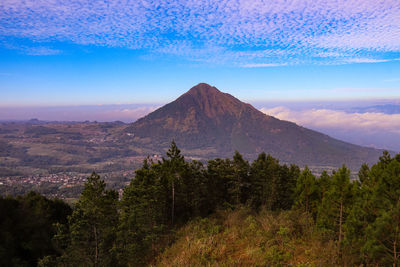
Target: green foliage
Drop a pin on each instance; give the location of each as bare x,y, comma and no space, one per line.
372,231
334,208
166,194
264,171
143,215
383,235
323,184
306,193
239,180
382,196
92,226
162,195
27,228
275,215
272,185
172,168
218,175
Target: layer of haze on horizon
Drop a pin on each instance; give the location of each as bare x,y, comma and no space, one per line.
368,123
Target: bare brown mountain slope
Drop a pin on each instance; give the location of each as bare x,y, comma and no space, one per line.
207,123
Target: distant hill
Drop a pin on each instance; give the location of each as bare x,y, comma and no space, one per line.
207,123
387,109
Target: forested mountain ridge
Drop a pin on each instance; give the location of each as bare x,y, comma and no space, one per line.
207,123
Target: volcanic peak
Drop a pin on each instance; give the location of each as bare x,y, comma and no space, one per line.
206,122
203,89
212,102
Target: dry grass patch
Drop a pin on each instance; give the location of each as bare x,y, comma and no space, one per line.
244,238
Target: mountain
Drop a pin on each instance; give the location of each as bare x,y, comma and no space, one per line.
386,108
207,123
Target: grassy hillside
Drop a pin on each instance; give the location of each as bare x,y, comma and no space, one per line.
245,238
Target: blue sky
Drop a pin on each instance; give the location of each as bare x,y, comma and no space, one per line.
112,76
109,60
106,52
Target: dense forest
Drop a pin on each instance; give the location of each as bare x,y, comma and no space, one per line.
183,209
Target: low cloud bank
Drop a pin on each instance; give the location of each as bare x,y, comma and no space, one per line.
326,118
374,129
126,114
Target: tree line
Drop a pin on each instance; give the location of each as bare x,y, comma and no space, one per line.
362,216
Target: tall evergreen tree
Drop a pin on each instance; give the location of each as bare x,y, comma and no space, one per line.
92,226
306,193
363,173
323,183
270,182
239,185
218,175
196,191
286,185
142,218
173,166
335,207
263,173
383,234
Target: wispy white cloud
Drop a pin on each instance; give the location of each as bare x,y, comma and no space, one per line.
241,32
40,51
34,50
366,60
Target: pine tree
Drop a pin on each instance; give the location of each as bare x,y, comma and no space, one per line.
264,173
218,176
383,237
195,191
239,185
286,185
306,193
92,226
324,182
142,219
173,166
363,174
333,211
383,234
